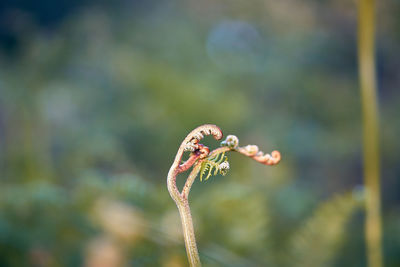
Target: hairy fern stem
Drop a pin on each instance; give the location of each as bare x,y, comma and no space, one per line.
207,163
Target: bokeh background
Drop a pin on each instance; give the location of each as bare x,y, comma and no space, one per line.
96,96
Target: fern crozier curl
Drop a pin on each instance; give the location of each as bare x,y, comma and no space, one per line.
231,141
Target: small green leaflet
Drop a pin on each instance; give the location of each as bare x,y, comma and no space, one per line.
211,164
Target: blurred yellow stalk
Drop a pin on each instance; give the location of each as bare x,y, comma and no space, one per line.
366,61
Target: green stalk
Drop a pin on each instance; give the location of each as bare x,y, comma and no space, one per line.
367,75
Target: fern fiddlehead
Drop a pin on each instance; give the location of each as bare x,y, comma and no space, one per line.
207,164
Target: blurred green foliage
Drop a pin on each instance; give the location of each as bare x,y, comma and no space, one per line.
92,114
